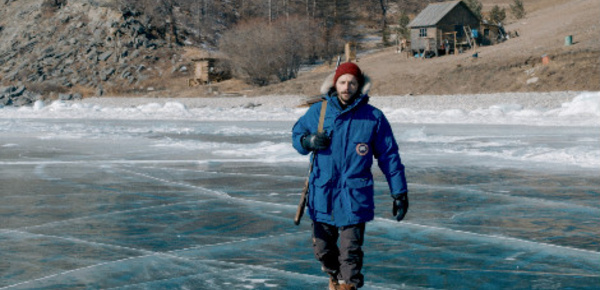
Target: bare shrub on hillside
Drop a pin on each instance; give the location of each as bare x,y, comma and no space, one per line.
497,15
247,47
259,52
517,9
291,46
331,42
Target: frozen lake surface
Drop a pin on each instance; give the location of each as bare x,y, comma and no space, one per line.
169,203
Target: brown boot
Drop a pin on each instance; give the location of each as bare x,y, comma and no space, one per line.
333,283
347,287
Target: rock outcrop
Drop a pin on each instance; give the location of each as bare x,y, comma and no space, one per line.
18,96
79,46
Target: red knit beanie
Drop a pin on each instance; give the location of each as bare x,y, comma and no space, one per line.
348,68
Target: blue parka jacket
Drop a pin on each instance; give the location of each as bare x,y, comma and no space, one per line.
341,190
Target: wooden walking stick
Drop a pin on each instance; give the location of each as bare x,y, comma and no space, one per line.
302,204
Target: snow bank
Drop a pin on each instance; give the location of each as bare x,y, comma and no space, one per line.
540,109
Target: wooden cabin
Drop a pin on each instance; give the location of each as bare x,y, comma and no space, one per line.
443,28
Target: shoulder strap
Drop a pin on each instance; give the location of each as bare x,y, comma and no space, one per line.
322,116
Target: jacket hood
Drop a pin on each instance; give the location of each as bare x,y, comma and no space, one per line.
328,84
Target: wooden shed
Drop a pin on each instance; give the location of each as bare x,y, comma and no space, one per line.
491,33
207,66
442,27
203,69
206,72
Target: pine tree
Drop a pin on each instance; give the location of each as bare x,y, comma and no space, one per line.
403,21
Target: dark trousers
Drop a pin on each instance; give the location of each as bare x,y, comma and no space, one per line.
343,262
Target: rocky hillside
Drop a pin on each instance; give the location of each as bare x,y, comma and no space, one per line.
85,47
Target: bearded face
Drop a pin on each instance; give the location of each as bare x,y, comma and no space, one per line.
346,87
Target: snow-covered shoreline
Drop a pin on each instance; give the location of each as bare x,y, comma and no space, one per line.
538,109
548,100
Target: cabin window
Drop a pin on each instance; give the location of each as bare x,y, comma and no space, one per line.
423,32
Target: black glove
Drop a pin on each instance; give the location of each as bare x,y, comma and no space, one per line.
400,206
313,142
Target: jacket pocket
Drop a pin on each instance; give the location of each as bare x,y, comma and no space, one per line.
360,192
320,195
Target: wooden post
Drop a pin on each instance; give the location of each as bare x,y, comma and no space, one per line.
347,51
350,51
455,50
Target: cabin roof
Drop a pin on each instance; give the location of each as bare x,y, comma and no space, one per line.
433,13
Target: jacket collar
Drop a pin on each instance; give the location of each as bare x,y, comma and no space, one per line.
332,98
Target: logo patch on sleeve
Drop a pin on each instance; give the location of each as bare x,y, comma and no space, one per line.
362,149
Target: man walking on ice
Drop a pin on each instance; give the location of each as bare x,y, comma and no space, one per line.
341,195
